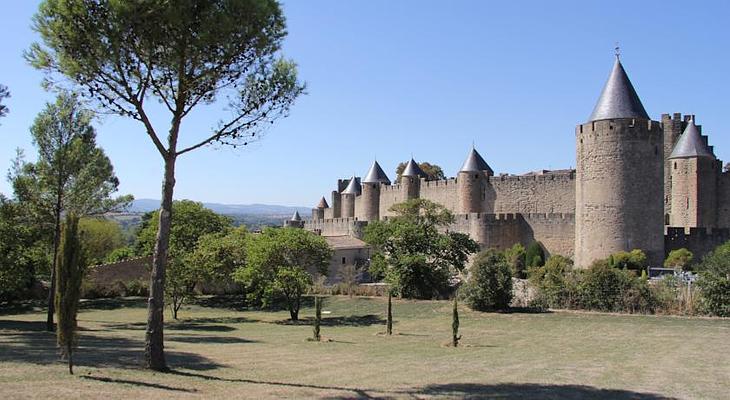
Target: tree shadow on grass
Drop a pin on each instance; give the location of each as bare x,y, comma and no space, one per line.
353,320
191,324
136,383
208,339
228,302
28,341
113,303
530,391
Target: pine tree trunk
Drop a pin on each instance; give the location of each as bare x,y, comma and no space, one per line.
154,338
54,265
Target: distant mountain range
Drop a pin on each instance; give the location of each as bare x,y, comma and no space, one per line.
146,205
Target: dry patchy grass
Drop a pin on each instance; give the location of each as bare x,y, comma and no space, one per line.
222,351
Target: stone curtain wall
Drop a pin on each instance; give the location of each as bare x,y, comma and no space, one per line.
124,271
723,201
699,241
556,232
549,193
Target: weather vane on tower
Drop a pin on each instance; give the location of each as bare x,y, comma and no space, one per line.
617,51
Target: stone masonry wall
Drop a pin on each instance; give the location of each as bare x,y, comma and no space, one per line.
548,193
337,227
723,200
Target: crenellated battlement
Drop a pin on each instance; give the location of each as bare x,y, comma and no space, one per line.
628,128
547,176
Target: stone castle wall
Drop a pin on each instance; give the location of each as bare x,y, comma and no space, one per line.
547,193
556,232
337,227
699,241
723,200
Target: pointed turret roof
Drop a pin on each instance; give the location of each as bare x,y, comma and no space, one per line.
376,175
353,187
475,163
412,169
323,203
691,144
296,216
618,98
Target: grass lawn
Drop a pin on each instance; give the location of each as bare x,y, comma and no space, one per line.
217,351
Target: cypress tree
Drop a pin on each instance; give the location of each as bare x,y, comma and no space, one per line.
389,321
70,264
455,337
535,255
317,317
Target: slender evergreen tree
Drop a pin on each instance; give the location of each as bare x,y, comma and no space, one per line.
389,322
317,317
68,284
455,337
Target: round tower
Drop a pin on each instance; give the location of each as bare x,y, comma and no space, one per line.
370,202
318,212
472,179
410,180
619,177
694,181
352,190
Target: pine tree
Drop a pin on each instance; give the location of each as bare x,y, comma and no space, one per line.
70,265
389,322
455,337
317,317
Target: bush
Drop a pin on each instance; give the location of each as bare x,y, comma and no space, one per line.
535,255
490,282
714,281
605,288
516,258
680,258
556,283
634,260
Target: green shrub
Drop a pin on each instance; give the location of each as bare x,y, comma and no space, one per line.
714,281
634,260
535,255
516,258
679,258
605,288
556,283
490,282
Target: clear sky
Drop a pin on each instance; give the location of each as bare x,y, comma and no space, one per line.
388,79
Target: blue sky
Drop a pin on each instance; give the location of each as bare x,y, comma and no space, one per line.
388,79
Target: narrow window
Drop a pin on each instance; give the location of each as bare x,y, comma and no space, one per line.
344,260
675,165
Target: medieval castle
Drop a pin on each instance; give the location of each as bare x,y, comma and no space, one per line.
638,184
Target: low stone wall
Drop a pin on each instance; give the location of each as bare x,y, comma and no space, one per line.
123,271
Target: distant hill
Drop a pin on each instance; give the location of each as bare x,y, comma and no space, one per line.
146,205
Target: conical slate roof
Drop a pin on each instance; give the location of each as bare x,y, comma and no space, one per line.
691,144
618,98
323,203
475,163
376,175
412,169
353,187
296,216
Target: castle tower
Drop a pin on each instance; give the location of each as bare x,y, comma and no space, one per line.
295,221
371,192
619,177
352,190
673,126
694,181
318,212
410,180
471,181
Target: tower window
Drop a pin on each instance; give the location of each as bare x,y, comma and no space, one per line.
344,260
675,165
